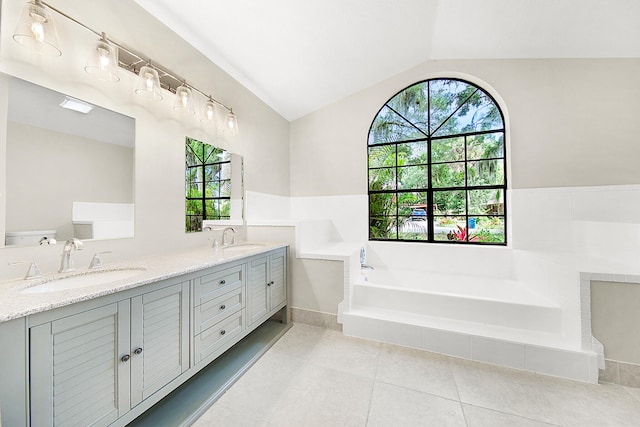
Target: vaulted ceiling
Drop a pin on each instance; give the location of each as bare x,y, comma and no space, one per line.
300,55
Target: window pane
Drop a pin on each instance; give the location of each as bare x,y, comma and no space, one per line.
382,204
447,150
212,189
482,202
450,203
445,228
478,113
448,175
488,229
413,153
225,171
225,188
445,97
382,179
413,177
485,172
413,230
488,146
412,104
412,205
381,227
390,127
194,190
382,156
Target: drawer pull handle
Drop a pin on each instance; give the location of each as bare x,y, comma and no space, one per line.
222,307
125,358
222,282
222,332
138,350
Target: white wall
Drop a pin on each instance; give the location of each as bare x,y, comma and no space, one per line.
572,158
160,133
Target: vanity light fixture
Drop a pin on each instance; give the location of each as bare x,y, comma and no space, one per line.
36,30
76,105
148,85
184,100
103,62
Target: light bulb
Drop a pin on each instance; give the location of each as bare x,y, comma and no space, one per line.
38,31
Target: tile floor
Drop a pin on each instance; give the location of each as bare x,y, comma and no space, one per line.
318,377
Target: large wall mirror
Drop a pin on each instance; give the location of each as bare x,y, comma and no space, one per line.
68,173
214,187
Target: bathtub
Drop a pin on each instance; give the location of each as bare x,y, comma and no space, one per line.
455,302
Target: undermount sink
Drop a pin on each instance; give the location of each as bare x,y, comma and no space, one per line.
241,248
83,280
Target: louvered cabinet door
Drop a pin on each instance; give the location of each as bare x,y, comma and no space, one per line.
159,339
77,375
257,301
278,283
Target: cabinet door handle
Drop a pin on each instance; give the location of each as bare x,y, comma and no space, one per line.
138,350
270,283
125,358
222,307
222,282
222,332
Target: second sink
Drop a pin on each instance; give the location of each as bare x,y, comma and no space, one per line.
81,280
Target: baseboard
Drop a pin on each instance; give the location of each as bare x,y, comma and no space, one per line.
315,318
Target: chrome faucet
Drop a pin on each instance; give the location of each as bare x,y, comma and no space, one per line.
224,236
66,266
363,258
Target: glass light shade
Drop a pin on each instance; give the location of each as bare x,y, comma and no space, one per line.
231,124
36,30
210,113
103,62
184,101
148,85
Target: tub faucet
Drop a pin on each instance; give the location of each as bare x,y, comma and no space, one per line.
224,236
363,258
66,266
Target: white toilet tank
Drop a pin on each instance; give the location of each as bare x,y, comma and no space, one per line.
27,237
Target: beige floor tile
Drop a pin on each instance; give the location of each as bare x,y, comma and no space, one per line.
350,355
324,397
502,389
482,417
633,391
416,369
583,405
316,377
397,406
261,388
299,341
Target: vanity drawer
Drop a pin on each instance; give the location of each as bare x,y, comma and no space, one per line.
213,285
211,312
214,338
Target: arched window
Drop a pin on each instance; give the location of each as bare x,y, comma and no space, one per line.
437,166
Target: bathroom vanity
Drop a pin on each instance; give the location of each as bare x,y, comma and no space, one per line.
104,354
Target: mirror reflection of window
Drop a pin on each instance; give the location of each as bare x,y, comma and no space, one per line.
207,184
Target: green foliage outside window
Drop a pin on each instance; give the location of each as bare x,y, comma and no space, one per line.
436,162
207,184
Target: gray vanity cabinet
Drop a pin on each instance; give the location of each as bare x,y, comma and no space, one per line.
92,367
266,285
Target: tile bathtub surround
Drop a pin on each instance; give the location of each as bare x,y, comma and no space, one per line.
615,372
318,377
315,318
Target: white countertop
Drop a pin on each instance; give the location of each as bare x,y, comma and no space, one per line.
14,304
